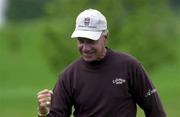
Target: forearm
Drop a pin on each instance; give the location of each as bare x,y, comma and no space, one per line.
152,106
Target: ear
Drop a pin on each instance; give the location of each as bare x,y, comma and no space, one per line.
105,40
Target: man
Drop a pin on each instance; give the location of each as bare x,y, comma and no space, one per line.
102,83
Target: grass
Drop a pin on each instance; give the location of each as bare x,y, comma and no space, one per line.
23,72
166,80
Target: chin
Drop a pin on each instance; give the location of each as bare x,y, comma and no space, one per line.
89,59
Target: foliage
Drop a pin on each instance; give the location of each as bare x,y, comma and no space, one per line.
19,10
56,47
145,29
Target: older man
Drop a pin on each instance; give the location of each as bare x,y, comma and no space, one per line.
102,83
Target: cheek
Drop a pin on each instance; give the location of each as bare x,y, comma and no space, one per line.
79,46
100,49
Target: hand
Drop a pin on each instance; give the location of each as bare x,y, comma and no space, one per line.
44,101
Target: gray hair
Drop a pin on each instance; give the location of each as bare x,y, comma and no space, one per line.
105,32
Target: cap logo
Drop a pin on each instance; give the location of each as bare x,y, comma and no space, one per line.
86,21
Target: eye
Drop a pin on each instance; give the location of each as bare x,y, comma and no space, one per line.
91,41
80,40
87,41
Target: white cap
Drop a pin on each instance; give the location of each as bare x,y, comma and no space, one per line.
90,24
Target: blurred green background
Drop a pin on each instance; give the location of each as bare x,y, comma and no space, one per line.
35,46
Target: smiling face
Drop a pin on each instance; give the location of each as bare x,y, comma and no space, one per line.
91,50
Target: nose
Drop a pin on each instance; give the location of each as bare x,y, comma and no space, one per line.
86,47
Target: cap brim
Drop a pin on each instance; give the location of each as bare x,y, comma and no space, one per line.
86,34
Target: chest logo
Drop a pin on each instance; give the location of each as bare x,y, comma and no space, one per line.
118,81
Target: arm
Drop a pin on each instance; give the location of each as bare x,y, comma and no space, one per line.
62,99
59,104
145,93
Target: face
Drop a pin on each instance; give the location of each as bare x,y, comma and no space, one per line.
91,50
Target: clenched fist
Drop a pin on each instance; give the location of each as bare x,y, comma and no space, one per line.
44,101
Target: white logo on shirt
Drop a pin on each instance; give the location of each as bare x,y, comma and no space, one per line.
118,81
150,92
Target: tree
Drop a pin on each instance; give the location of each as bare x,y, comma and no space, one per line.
19,10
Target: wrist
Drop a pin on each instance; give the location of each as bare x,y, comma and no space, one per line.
43,114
